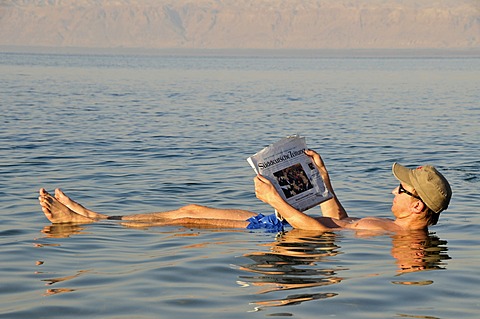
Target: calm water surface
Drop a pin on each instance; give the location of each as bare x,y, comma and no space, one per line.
131,134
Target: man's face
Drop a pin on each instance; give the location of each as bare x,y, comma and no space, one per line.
402,201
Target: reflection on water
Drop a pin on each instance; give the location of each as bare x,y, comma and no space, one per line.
418,251
294,262
57,291
56,280
305,262
302,260
62,230
53,281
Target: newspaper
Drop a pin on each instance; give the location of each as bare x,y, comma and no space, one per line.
292,172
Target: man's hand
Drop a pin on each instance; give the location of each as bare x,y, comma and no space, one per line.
317,159
264,190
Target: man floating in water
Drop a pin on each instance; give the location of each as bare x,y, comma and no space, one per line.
422,195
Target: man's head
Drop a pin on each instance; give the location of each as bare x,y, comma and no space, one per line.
431,187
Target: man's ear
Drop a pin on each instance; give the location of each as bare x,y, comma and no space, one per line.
417,206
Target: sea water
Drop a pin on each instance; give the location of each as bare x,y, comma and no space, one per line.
126,134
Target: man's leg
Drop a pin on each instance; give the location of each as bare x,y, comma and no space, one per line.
62,209
194,211
188,222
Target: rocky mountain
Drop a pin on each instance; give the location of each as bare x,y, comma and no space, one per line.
258,24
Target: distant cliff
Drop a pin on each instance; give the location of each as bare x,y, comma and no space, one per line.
259,24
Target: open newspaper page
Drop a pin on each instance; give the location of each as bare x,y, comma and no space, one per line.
293,173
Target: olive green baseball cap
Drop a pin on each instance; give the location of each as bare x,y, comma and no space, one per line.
432,187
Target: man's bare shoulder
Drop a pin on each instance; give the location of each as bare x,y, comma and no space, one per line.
373,223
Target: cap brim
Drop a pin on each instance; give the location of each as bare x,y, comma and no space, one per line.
402,173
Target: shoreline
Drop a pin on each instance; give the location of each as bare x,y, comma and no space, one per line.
267,53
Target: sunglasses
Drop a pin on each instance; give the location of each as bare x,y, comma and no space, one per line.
403,190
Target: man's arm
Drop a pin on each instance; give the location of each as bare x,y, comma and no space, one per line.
266,192
332,207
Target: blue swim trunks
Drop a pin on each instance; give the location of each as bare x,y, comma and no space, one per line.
271,223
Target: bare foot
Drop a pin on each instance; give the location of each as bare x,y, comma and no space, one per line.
57,212
76,207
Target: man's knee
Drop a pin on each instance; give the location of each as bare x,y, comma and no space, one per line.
192,209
